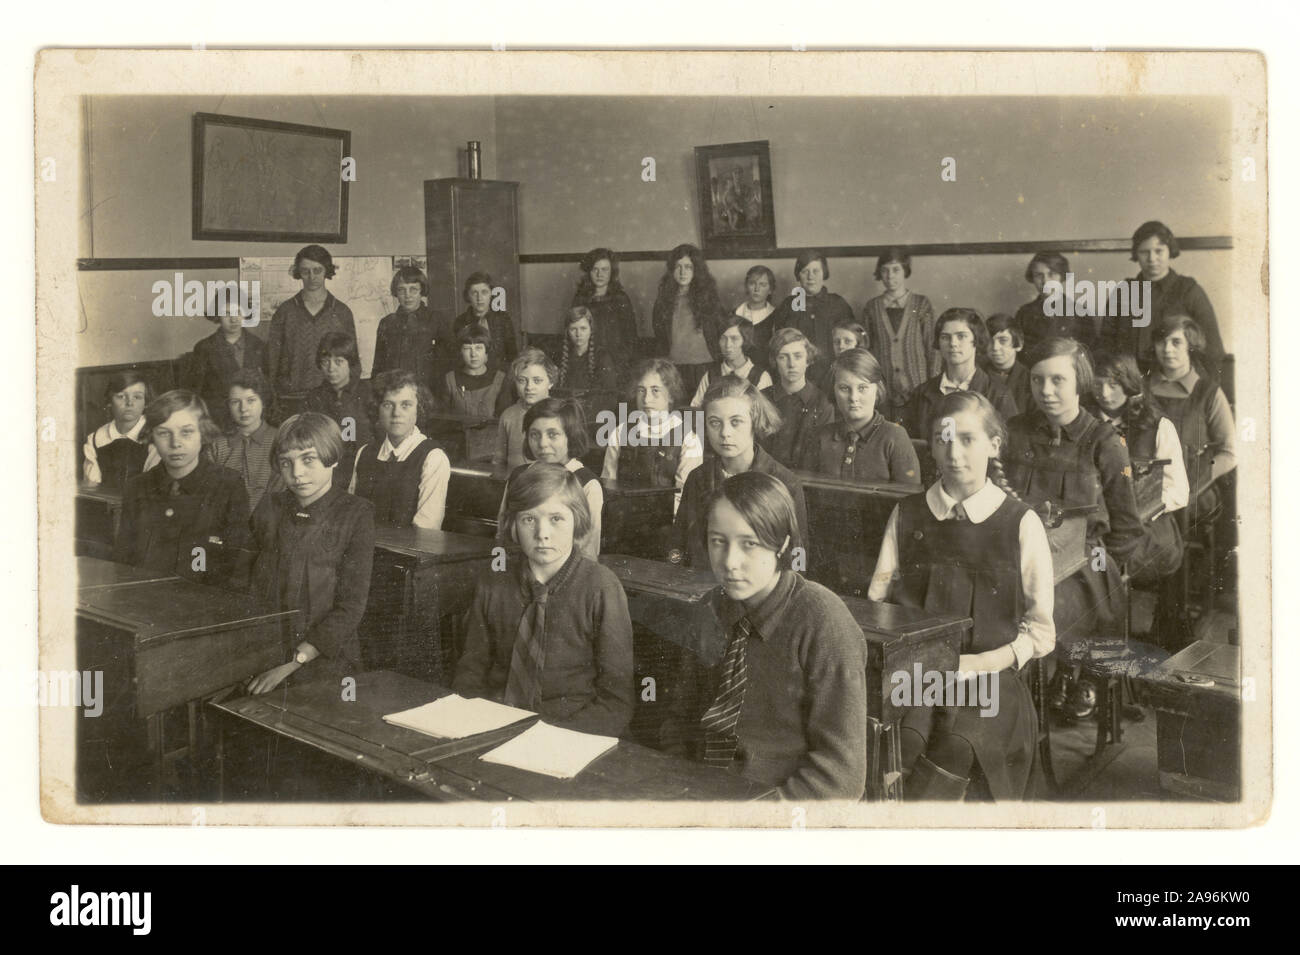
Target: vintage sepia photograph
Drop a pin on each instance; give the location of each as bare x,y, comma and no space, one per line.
414,459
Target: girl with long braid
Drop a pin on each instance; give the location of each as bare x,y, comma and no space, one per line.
584,365
968,545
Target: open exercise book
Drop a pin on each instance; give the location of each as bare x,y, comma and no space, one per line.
552,751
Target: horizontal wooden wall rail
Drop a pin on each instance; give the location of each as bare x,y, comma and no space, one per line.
1190,243
871,251
155,265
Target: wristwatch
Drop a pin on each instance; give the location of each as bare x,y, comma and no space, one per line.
299,657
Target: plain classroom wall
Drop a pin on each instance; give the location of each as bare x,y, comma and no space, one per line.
845,172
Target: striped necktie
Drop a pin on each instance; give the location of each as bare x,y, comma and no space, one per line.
524,684
959,513
719,721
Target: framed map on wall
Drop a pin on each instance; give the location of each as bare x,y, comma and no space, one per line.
261,179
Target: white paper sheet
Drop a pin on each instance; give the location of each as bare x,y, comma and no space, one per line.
454,717
551,751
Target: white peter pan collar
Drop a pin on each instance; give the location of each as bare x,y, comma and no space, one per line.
979,507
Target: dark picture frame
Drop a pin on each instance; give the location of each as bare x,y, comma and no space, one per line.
734,183
267,180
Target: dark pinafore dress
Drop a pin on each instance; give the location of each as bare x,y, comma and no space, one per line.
651,466
393,487
119,461
1066,473
960,567
1161,550
1190,416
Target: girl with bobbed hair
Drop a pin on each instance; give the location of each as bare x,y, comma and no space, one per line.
900,331
775,691
187,501
736,419
414,337
1060,452
479,292
551,632
1035,325
861,445
740,358
811,307
297,327
1154,246
120,449
1196,405
316,547
802,405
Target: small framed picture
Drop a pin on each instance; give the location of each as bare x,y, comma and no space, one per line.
735,188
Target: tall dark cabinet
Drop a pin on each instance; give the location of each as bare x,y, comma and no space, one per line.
472,225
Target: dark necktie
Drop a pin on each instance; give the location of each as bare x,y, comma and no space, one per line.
719,721
959,513
175,489
524,685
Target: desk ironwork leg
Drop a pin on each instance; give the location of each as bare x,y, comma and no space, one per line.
158,747
884,761
875,771
893,777
403,647
195,750
219,759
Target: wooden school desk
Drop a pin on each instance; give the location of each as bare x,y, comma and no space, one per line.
636,519
1198,728
1148,487
848,511
1067,537
160,644
94,572
629,519
899,639
661,598
474,500
98,513
356,738
465,436
430,576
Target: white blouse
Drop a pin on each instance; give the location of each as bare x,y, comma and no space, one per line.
1175,489
764,380
431,504
1036,634
104,436
692,455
